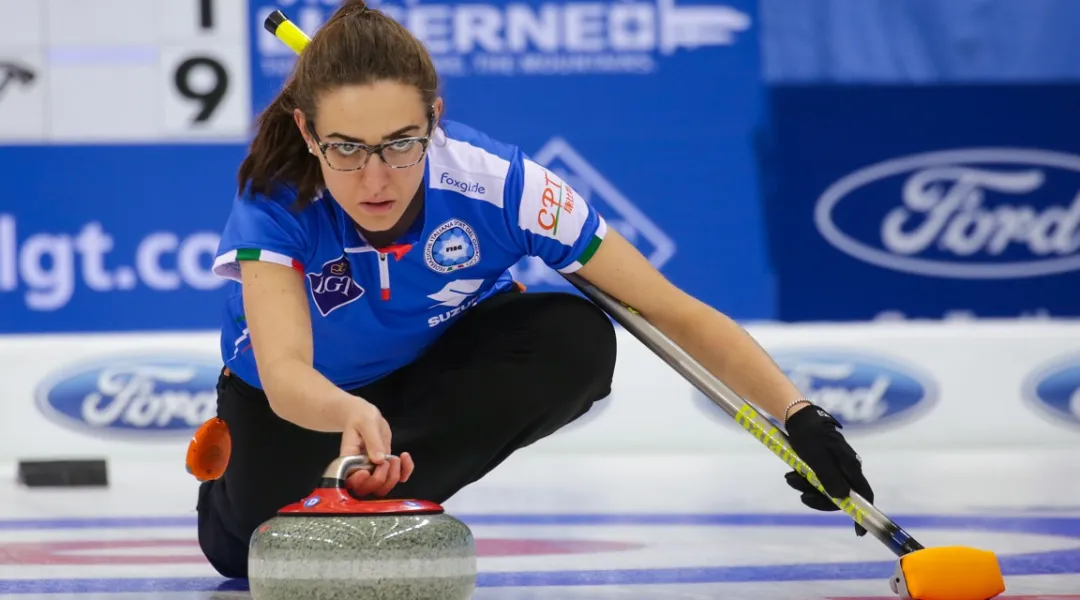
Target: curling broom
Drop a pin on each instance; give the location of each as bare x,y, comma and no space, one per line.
942,573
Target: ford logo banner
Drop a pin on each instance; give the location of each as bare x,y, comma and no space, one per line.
862,390
1054,391
132,396
962,214
919,213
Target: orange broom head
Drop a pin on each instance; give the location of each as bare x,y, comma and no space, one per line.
209,450
948,573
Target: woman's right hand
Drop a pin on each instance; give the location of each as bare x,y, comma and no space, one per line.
367,432
276,308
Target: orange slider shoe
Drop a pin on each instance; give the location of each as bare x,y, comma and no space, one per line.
209,450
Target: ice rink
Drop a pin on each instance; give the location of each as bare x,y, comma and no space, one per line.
575,527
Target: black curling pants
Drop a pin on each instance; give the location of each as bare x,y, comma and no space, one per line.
513,370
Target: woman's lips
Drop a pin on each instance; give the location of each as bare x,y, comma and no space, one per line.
378,207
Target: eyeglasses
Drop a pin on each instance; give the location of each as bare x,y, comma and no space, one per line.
400,153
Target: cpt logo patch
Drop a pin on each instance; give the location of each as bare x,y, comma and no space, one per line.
334,286
451,247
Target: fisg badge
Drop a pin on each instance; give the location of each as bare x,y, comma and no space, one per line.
334,286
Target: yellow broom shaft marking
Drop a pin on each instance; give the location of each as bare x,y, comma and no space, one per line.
749,418
292,36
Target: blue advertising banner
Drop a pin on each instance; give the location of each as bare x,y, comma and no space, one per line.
647,107
104,238
115,193
924,202
920,42
121,128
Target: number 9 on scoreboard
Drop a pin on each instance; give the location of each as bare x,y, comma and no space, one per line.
208,90
208,96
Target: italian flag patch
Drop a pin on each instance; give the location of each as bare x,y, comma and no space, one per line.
226,263
268,256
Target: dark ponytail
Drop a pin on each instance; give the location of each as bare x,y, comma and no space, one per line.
357,45
278,154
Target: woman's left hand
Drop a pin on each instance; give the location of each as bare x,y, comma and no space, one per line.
814,435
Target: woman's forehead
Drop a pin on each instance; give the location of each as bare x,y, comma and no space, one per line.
372,113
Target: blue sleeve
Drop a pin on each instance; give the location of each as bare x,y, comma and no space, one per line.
261,228
548,219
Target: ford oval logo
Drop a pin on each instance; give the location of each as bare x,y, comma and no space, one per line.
862,390
1054,391
137,396
994,213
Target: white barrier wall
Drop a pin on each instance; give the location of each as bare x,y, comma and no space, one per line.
894,385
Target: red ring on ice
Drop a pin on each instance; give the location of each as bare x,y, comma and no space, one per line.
82,552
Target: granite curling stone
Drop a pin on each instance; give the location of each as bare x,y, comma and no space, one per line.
332,546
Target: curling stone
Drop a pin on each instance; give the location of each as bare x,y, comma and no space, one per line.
331,545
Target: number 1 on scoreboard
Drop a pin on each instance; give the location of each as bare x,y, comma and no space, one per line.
206,14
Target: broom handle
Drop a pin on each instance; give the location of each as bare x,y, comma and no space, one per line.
856,507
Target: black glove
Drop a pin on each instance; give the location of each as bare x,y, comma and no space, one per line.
814,436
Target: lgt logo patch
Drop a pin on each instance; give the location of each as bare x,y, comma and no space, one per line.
334,286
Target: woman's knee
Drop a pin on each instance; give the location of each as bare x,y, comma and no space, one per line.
225,550
578,339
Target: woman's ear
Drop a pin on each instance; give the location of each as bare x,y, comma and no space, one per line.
301,124
438,107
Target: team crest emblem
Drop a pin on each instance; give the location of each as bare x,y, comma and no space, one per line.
452,247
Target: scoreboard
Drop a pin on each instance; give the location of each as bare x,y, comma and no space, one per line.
124,71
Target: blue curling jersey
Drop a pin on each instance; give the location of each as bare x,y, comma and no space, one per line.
373,310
